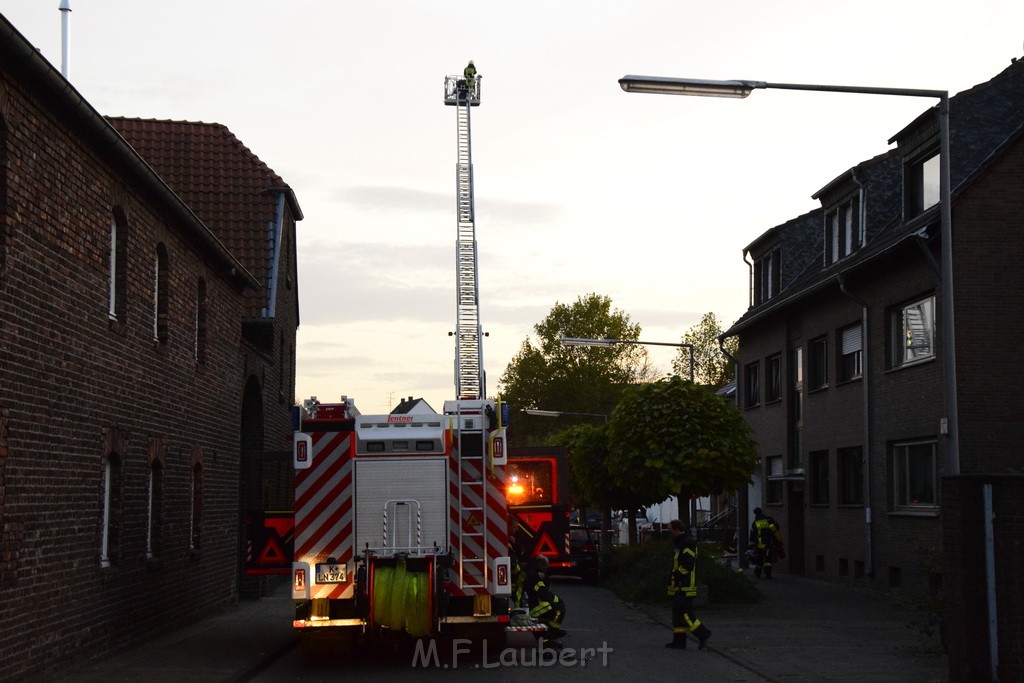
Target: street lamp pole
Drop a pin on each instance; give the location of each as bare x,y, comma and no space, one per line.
741,89
576,341
560,413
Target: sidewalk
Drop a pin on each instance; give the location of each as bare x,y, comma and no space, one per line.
806,630
802,630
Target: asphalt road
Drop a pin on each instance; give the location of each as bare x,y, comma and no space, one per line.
607,640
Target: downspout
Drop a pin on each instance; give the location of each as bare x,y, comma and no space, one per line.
276,230
750,297
866,416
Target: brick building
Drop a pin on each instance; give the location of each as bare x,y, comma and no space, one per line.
138,371
841,376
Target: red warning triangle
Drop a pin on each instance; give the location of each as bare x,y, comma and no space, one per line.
272,552
545,546
282,525
534,520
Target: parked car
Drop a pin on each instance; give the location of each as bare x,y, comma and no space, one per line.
584,557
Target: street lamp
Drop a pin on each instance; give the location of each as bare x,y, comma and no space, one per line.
559,413
741,89
576,341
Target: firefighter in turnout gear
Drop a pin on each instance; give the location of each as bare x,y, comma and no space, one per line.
766,539
682,588
545,606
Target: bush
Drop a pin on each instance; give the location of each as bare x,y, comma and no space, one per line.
640,574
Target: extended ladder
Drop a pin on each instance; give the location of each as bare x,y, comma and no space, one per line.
469,375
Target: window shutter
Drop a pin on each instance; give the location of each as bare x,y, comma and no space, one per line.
851,339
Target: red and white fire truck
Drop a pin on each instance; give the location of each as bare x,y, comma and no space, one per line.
401,520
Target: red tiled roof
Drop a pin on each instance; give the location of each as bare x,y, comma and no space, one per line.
218,177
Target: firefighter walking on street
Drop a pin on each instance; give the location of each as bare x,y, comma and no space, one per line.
767,540
682,588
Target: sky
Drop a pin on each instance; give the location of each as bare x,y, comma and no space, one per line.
580,187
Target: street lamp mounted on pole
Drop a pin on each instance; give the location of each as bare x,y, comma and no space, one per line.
576,341
741,89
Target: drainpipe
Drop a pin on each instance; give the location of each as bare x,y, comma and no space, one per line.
869,560
276,230
750,297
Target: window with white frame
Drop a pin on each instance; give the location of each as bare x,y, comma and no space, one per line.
850,353
773,379
767,277
110,533
913,332
200,322
752,387
118,266
844,232
922,183
774,470
161,294
817,363
914,476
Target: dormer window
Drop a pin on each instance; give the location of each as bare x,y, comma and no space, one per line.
922,183
844,230
766,276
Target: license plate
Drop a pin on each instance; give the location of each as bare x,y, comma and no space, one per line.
330,573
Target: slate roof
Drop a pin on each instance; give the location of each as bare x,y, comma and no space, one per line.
227,186
982,121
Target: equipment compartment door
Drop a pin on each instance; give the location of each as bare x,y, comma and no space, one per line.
378,481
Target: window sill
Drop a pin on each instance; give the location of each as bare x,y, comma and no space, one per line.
852,380
921,514
912,364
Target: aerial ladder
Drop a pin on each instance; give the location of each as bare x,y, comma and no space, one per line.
464,94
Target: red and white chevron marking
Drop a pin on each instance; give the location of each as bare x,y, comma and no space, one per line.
323,510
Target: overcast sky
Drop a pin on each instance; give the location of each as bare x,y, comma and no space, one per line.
580,187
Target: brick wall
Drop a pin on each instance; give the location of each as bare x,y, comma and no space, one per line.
69,378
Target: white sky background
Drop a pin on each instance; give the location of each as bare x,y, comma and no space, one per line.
579,186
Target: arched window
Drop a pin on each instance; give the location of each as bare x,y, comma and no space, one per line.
118,275
200,347
110,538
161,294
155,499
156,509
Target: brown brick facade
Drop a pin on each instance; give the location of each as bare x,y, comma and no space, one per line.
111,438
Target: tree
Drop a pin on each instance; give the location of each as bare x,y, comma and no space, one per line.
550,376
589,482
710,366
673,437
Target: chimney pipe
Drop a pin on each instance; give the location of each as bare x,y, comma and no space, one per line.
65,36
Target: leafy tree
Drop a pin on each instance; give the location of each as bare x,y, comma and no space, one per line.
547,375
710,366
673,437
589,482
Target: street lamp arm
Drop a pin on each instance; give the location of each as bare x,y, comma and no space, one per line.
708,88
577,341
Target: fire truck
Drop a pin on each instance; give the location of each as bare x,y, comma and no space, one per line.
401,520
537,490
